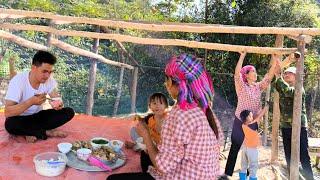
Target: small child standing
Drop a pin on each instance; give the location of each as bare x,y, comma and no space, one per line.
249,155
158,106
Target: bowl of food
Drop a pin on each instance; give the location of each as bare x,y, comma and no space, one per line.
50,164
116,145
83,153
99,142
64,147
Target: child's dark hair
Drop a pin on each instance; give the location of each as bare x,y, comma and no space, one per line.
244,114
43,57
161,97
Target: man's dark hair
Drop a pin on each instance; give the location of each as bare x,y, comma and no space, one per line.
244,114
43,57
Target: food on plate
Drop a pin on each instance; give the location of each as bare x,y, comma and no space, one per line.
81,144
105,153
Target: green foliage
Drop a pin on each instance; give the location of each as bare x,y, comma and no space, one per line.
72,70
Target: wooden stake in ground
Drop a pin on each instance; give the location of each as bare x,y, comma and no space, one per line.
134,90
119,91
276,115
297,106
92,77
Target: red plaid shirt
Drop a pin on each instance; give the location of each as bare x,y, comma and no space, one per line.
189,148
249,97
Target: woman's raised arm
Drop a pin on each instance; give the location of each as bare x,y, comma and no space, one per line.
237,71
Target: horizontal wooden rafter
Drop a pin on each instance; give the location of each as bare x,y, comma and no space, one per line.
21,41
69,48
174,27
75,50
152,41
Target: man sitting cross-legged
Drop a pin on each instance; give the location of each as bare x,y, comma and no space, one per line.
26,93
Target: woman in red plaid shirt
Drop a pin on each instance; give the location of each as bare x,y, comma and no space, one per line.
249,98
189,147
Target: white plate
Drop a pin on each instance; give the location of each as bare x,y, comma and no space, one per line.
76,163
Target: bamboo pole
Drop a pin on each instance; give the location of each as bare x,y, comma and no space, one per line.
82,52
296,122
92,77
276,115
134,90
152,41
21,41
174,27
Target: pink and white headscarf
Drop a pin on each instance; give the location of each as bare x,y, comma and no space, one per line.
245,70
195,84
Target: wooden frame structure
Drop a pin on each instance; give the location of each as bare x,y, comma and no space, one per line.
301,35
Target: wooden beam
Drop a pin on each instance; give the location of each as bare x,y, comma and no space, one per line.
122,48
296,119
276,115
21,41
152,41
174,27
307,38
82,52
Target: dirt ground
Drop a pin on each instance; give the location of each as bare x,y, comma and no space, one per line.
266,171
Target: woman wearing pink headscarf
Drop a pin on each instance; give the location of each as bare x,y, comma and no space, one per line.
190,136
249,98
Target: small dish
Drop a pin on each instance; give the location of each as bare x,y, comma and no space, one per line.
83,153
116,145
98,142
64,147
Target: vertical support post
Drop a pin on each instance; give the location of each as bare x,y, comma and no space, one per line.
50,35
134,90
276,114
297,107
119,90
266,118
92,77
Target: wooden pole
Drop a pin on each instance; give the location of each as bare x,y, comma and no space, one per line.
266,118
92,77
21,41
152,41
119,91
50,35
134,90
75,50
161,26
297,106
276,115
